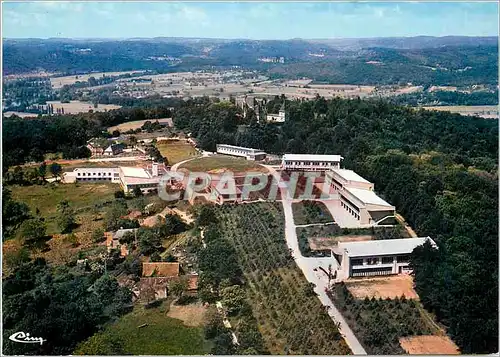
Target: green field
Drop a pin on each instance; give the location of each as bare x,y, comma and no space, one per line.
176,150
163,335
218,162
82,197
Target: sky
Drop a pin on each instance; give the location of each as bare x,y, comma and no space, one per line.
251,20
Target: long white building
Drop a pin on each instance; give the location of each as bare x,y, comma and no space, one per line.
247,153
358,198
310,162
147,179
375,257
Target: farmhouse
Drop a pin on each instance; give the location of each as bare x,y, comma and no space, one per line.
113,149
248,153
113,240
156,277
375,257
308,162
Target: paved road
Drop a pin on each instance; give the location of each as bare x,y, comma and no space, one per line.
308,264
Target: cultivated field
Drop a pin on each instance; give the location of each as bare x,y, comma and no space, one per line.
382,287
75,107
483,111
161,334
290,317
220,163
429,345
59,82
132,125
176,150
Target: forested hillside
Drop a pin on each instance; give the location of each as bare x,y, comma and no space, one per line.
438,169
428,61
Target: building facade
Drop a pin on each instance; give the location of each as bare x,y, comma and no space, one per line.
308,162
97,174
358,198
248,153
147,179
375,257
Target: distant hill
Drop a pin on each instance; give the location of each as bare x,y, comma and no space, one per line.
450,60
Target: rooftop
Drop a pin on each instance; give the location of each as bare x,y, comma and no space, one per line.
135,172
160,270
121,232
367,196
312,157
239,148
382,247
350,175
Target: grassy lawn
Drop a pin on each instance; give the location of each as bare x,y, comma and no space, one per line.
176,150
163,335
218,162
307,212
82,197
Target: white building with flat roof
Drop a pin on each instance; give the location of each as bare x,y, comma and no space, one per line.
310,162
340,178
96,174
248,153
358,198
375,257
147,179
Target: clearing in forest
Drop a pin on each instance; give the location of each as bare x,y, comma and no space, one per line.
429,345
382,287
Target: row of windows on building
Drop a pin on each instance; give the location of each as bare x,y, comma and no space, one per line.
311,163
96,174
379,260
238,151
93,178
351,211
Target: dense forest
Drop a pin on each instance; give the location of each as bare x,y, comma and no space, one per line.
439,169
447,98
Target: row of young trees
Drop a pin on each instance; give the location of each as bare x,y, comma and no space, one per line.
439,170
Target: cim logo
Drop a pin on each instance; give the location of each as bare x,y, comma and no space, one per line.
23,337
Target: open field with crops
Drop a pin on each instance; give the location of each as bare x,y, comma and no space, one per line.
289,316
59,82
